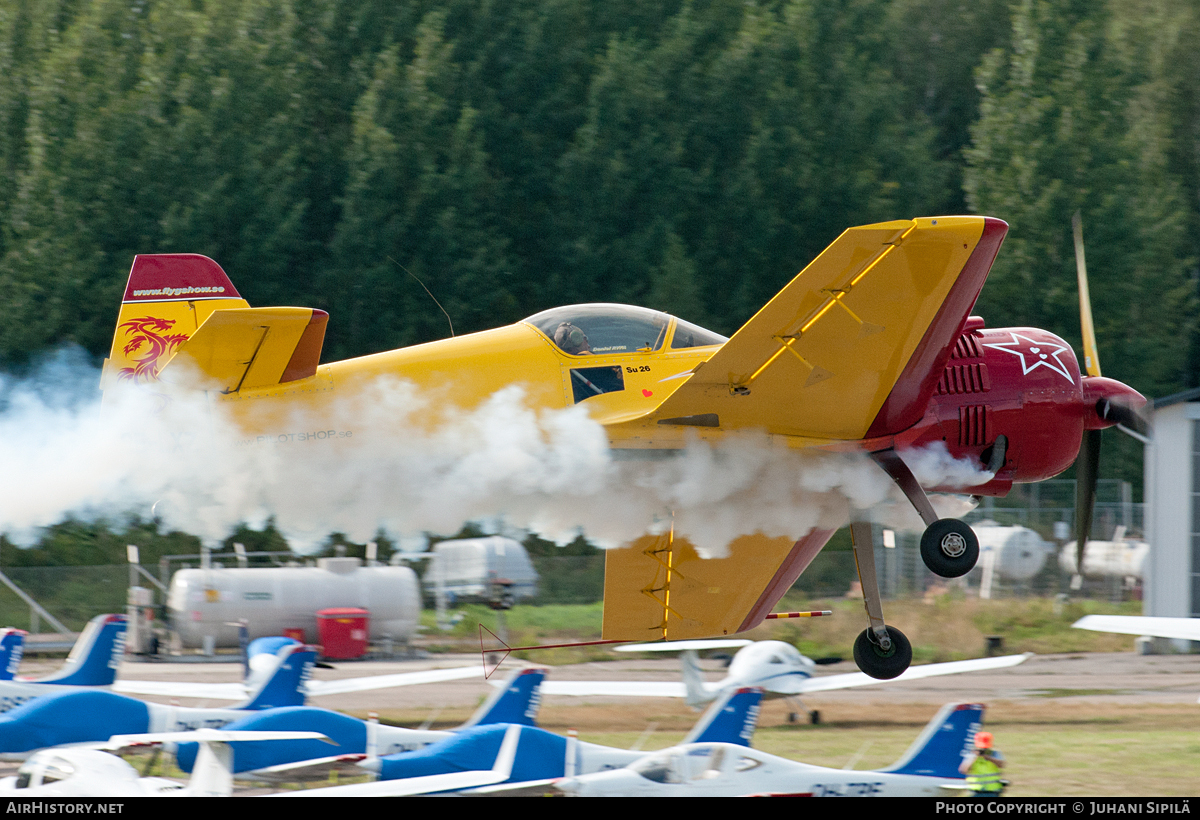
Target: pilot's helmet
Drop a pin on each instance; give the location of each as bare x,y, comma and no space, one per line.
983,740
570,338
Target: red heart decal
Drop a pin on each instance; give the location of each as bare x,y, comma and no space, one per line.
647,393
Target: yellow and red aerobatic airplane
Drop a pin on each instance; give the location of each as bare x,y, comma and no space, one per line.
870,347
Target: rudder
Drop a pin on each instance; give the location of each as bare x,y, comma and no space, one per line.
168,296
940,748
732,718
12,647
97,653
517,702
285,687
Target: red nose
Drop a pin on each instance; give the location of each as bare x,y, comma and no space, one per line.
1109,402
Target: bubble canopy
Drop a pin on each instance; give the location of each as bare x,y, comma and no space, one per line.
602,329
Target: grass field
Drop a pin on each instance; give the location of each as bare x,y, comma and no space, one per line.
941,628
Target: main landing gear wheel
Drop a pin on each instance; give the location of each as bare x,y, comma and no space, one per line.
874,661
949,548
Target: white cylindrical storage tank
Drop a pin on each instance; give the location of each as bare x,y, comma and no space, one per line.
1107,559
1020,553
210,602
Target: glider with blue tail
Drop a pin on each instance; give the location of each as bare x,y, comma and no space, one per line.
930,768
540,757
92,662
516,703
92,715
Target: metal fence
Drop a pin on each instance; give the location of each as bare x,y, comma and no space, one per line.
71,594
74,594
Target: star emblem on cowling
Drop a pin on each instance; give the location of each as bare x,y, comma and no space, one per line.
1034,354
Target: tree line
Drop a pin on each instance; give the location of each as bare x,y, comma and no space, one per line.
688,155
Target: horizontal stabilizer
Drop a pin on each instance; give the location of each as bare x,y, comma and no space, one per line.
246,348
431,783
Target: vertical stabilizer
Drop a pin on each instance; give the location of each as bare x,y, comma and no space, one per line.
518,702
96,655
732,718
940,748
285,687
12,647
168,296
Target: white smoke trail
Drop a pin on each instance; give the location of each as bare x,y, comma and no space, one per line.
375,463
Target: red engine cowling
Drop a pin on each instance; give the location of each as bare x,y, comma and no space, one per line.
1020,383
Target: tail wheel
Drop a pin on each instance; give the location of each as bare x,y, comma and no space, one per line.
880,664
949,548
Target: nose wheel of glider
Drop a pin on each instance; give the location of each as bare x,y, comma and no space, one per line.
949,548
880,663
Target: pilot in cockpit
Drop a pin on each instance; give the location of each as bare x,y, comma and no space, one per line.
571,339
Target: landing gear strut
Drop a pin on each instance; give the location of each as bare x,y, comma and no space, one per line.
948,547
881,651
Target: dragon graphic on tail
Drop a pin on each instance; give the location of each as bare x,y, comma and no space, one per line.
147,335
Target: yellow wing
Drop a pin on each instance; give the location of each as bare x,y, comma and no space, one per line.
660,588
822,357
851,348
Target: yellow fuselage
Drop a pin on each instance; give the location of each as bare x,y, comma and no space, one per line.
459,374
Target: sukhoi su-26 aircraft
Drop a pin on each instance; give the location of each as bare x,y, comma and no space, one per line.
870,348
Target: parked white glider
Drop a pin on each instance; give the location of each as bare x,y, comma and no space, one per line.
78,771
928,769
1183,629
262,666
776,667
453,781
1180,629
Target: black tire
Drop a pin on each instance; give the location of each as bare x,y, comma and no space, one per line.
949,548
873,661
